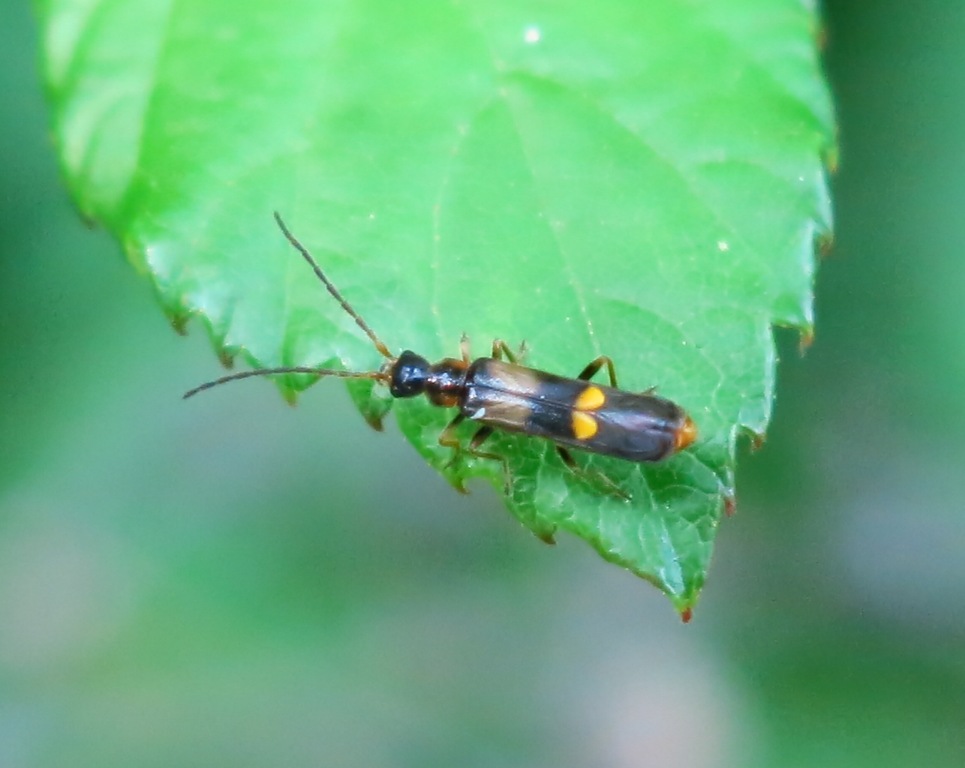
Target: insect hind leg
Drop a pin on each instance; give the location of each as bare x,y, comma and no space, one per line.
594,366
593,477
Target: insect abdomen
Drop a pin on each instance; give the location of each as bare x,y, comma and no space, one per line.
574,413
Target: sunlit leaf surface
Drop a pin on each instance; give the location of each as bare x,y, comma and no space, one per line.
643,180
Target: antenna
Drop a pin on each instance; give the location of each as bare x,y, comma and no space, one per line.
376,375
379,344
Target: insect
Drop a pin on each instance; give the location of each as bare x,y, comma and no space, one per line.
500,393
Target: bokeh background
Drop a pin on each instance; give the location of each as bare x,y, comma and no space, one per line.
232,581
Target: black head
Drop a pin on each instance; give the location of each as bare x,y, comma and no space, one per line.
409,374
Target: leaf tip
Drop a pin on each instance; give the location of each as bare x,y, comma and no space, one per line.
730,504
831,158
757,439
374,421
289,393
178,320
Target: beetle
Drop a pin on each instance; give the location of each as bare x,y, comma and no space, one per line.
500,393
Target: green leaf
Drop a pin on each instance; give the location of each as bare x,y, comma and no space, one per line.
643,180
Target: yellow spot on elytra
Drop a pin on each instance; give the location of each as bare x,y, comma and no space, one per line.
590,399
584,425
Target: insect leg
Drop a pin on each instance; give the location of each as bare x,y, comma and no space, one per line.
501,349
474,445
591,476
464,348
591,370
448,439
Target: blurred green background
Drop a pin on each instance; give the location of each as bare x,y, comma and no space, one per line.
232,581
